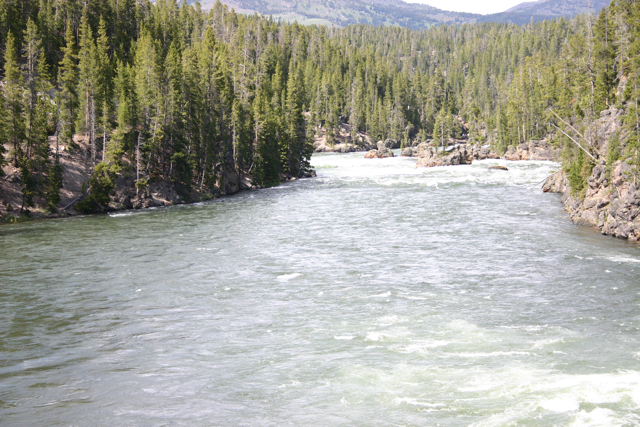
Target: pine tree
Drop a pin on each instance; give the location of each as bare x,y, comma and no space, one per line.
442,130
14,100
295,129
104,84
66,98
38,107
606,73
88,72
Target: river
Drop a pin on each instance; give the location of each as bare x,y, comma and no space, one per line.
375,294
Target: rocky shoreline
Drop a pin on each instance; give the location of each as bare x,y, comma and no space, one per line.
77,170
611,203
611,200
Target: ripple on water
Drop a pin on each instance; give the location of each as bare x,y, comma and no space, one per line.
376,294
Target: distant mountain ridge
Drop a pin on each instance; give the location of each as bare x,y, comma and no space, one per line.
399,13
546,9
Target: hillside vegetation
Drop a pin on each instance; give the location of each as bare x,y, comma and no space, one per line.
172,93
398,13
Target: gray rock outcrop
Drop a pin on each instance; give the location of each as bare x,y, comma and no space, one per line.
611,201
457,155
532,150
378,154
484,152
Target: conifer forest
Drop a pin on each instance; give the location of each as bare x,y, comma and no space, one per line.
170,91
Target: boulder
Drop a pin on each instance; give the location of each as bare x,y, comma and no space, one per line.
484,152
556,183
532,150
408,152
430,157
388,144
377,154
500,168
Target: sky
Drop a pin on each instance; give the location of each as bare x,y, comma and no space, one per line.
473,6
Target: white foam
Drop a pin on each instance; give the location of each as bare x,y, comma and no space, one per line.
343,337
597,417
543,343
416,402
623,259
422,347
287,277
391,320
374,336
561,404
400,171
492,354
120,214
384,295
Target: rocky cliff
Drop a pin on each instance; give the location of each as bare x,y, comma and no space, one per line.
612,197
611,202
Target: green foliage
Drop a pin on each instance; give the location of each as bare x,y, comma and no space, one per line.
578,171
54,186
206,92
28,185
67,97
613,154
101,184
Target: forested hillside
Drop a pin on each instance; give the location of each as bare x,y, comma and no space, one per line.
544,10
399,13
350,12
179,94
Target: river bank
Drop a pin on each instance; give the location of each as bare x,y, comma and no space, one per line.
610,200
77,168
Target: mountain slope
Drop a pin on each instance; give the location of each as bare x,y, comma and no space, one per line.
545,9
350,12
399,13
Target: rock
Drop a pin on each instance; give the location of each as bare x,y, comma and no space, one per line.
377,154
484,152
430,157
500,168
407,152
620,173
556,183
337,148
246,183
611,204
532,150
383,146
388,144
125,202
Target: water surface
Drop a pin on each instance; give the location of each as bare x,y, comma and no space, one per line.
375,294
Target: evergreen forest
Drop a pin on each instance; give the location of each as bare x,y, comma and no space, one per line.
180,93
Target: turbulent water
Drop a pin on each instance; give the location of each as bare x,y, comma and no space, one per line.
374,295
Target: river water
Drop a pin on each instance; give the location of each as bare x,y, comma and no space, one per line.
375,294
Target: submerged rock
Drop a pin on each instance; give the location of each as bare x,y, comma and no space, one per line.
500,168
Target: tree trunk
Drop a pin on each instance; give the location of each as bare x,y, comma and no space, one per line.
92,131
138,161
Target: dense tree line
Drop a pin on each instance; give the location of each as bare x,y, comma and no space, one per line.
184,92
